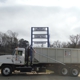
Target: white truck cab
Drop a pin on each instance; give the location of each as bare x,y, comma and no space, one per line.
15,61
17,57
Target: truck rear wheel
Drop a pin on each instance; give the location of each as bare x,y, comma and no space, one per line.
6,70
64,70
74,71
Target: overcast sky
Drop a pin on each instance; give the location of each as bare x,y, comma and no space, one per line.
61,16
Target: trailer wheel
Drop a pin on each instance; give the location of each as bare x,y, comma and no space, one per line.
6,70
74,71
64,70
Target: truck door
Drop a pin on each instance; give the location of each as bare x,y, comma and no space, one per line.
18,57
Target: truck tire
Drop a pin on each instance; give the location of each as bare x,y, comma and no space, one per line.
63,70
6,70
74,71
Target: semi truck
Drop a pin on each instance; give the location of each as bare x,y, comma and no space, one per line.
63,61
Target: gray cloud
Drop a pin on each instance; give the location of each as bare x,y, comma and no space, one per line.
3,1
62,22
77,29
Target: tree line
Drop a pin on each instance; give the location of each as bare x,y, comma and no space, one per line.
9,41
74,42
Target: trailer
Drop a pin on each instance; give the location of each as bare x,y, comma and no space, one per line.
63,61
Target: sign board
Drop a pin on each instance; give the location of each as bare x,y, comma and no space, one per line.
39,29
39,35
39,42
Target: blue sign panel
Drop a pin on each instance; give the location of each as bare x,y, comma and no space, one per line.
39,35
39,29
39,42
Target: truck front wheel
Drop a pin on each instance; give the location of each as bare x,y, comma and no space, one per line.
6,70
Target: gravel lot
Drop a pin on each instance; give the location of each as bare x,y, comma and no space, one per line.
40,76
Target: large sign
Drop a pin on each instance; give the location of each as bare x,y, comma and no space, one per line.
39,35
39,29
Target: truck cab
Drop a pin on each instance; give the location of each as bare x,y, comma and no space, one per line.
16,61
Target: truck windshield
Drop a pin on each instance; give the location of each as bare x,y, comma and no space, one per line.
17,52
13,52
